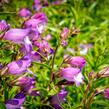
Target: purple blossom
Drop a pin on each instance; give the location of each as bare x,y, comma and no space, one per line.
36,1
34,56
38,5
25,81
76,61
19,36
19,66
37,22
24,12
27,85
57,99
64,36
16,35
16,102
106,93
43,47
40,16
3,26
72,74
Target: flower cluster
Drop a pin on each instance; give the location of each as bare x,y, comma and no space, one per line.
72,72
34,47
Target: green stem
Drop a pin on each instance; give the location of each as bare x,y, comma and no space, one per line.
8,12
54,57
52,66
45,65
42,56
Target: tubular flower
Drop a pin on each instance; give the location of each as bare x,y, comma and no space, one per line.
76,61
16,35
34,56
24,12
27,85
16,102
106,93
43,47
37,22
19,66
36,5
3,26
19,36
64,36
72,74
57,99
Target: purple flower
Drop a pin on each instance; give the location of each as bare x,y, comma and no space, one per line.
72,74
37,5
37,22
27,85
34,56
76,61
19,66
19,36
43,47
25,81
57,99
16,102
3,26
106,93
36,2
64,36
40,16
16,35
24,12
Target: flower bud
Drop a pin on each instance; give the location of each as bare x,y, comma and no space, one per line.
24,12
64,36
3,26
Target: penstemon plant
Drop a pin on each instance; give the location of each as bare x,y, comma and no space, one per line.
20,79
